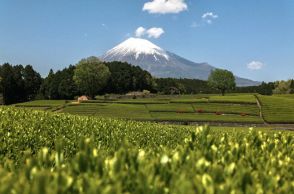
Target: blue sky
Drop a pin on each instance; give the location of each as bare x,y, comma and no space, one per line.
252,38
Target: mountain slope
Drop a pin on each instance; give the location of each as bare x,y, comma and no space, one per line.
161,63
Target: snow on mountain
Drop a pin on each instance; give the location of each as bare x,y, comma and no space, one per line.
161,63
137,47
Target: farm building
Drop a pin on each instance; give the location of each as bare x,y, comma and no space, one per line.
83,98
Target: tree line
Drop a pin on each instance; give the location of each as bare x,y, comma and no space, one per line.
92,77
18,83
216,84
89,77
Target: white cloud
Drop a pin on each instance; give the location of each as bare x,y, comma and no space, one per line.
165,6
255,65
140,31
155,32
209,17
151,32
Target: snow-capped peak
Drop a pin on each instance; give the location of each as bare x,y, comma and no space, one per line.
137,46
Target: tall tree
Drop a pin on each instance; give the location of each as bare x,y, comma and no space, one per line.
67,89
45,89
125,77
9,84
291,87
222,80
265,88
60,85
32,82
91,76
19,84
283,87
1,92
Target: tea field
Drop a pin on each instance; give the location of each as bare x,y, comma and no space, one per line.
233,108
194,108
44,152
277,109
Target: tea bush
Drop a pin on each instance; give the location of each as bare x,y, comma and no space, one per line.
43,152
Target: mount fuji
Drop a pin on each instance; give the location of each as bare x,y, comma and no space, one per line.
161,63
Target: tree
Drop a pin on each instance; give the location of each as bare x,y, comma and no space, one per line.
9,84
19,84
60,85
45,89
125,78
91,76
265,88
222,80
1,92
291,86
284,87
32,82
186,86
67,89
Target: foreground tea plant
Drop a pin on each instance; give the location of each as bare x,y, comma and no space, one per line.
50,153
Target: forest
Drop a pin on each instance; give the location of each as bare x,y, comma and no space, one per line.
20,83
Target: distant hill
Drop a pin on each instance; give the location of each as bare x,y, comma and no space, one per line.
161,63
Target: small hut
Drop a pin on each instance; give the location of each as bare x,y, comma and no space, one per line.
83,98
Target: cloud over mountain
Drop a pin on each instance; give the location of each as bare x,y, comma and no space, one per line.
140,31
151,32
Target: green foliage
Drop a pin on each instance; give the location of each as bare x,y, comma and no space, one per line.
109,110
205,117
234,108
263,89
46,105
32,82
42,103
60,85
185,86
1,99
291,87
284,87
71,154
277,109
241,99
174,107
18,83
125,78
245,109
266,88
229,110
222,80
91,76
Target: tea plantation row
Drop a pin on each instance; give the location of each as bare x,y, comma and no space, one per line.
42,152
197,108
